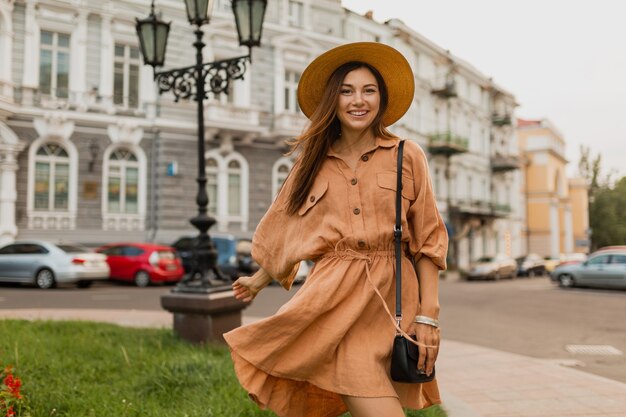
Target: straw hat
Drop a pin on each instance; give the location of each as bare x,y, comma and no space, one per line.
393,67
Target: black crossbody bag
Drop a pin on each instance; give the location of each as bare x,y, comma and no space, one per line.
405,354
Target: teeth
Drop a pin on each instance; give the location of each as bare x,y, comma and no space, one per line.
357,113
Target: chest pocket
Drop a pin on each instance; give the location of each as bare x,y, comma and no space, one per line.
315,195
388,180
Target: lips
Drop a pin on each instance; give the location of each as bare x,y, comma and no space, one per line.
357,113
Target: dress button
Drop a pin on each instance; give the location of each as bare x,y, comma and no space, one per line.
354,181
361,243
312,198
356,210
365,158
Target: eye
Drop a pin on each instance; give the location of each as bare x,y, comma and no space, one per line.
346,91
370,90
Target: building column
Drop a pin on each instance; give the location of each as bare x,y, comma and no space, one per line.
107,43
6,49
30,82
8,193
555,230
78,61
569,231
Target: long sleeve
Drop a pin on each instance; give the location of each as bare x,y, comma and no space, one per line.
275,241
429,236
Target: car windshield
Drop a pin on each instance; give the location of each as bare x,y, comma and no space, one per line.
73,249
486,259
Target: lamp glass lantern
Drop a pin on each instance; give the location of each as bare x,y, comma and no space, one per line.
153,33
249,15
199,11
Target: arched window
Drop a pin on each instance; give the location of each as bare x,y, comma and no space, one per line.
212,170
227,180
52,177
279,174
123,182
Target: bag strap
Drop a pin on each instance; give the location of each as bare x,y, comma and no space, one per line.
397,234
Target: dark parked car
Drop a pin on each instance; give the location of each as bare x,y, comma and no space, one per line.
605,268
530,265
233,254
142,263
46,265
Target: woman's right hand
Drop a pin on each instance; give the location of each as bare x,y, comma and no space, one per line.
245,289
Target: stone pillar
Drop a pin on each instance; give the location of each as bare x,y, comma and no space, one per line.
8,196
30,82
6,51
78,61
555,231
106,59
203,318
10,147
569,232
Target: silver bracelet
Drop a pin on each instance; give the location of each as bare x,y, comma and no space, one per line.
426,320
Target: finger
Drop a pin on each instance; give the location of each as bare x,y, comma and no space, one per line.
430,361
422,357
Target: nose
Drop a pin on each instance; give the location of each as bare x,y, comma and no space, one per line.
358,99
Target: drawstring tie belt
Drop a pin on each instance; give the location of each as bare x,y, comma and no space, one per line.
351,254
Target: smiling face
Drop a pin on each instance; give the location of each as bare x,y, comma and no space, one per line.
359,101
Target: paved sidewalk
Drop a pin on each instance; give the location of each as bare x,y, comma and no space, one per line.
475,381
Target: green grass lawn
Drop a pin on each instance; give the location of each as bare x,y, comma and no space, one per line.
80,369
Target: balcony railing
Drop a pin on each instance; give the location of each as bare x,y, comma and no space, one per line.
504,163
230,115
446,143
447,91
289,124
479,209
500,119
501,210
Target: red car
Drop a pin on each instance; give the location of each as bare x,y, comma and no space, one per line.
142,263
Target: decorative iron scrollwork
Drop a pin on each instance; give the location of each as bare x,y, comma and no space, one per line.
216,77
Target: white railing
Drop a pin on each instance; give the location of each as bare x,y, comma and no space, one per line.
50,220
229,114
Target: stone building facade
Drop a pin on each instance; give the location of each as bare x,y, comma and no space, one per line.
558,207
91,154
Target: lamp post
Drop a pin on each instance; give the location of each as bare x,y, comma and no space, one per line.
195,82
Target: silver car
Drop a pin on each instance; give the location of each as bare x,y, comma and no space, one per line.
603,269
493,267
46,265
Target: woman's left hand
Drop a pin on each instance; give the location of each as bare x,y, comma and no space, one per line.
429,336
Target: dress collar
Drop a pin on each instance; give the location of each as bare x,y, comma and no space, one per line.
380,142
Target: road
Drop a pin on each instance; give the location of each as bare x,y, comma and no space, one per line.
531,317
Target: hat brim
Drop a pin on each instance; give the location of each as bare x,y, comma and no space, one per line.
390,63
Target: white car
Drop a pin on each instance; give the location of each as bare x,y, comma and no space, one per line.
493,267
46,265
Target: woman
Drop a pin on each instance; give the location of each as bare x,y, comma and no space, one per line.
328,349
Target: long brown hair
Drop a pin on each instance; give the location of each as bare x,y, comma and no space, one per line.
325,129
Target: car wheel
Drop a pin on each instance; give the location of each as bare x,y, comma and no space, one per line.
45,279
566,281
142,279
84,284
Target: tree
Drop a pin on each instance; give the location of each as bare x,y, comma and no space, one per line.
607,216
607,204
589,168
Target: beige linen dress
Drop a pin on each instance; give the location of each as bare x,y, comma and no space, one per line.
334,336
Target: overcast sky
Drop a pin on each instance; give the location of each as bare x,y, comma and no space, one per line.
564,60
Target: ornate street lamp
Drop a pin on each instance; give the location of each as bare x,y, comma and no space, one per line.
195,82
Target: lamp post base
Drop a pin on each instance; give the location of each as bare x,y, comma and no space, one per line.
204,318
